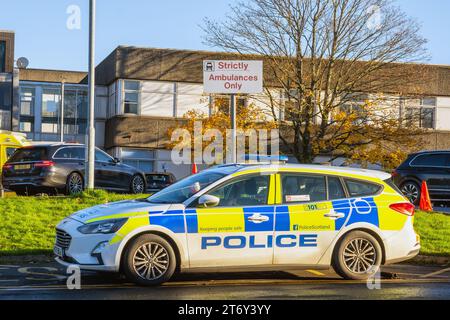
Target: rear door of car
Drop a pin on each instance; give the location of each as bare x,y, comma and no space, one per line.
70,159
306,221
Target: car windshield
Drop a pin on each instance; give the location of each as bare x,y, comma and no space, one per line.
186,188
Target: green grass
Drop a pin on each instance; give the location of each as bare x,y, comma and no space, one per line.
434,231
27,224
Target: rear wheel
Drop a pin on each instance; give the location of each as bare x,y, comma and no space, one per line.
137,185
75,184
412,191
358,256
149,260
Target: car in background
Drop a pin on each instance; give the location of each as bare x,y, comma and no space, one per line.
158,181
9,143
430,166
60,168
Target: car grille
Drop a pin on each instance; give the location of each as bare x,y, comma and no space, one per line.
63,239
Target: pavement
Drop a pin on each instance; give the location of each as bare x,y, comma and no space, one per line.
48,281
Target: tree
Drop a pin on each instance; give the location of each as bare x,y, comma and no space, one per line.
343,65
249,118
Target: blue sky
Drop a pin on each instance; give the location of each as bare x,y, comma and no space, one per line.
42,35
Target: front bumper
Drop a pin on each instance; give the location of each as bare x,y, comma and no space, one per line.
81,247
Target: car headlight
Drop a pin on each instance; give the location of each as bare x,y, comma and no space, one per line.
105,227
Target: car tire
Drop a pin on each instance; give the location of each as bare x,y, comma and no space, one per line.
74,184
412,191
149,260
137,185
349,259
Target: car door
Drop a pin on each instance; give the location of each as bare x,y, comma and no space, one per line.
239,231
308,217
432,168
106,174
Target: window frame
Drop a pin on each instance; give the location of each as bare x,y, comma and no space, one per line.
428,154
68,147
125,91
194,202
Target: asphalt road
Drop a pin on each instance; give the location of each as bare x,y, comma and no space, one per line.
49,282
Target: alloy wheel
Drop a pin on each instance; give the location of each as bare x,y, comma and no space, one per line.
151,261
360,256
411,191
138,185
75,184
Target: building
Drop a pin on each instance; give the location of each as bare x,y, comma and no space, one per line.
140,93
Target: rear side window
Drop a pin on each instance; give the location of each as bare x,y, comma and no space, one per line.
10,152
361,189
391,184
303,188
335,189
70,153
29,155
431,160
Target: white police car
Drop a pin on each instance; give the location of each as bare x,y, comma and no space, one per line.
247,217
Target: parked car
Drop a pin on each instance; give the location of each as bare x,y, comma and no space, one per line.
430,166
60,167
158,181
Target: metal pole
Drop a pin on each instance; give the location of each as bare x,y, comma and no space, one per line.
233,128
61,120
90,173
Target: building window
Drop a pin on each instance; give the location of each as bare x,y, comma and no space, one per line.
223,104
75,110
27,103
51,99
2,56
421,113
131,97
141,159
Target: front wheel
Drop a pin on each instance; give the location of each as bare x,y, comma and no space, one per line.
149,260
137,185
358,256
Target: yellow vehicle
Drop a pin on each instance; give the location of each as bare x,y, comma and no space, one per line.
9,142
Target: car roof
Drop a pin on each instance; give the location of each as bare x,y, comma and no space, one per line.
429,152
323,169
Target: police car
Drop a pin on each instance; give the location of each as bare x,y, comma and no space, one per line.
247,217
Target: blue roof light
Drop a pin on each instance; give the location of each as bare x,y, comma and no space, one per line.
265,158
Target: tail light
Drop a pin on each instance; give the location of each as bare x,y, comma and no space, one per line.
394,174
44,164
7,166
404,208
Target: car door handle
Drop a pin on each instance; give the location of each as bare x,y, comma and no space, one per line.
258,218
334,215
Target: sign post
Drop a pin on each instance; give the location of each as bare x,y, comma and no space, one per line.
233,77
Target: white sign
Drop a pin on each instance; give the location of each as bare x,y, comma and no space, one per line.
232,77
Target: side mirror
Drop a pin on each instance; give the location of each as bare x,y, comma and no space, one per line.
208,201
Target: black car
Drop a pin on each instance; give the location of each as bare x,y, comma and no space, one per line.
60,168
158,181
432,167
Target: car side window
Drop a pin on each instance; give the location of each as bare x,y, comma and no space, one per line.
335,189
69,153
101,156
431,160
249,191
361,189
297,188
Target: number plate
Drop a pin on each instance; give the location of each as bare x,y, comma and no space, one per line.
58,251
22,167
